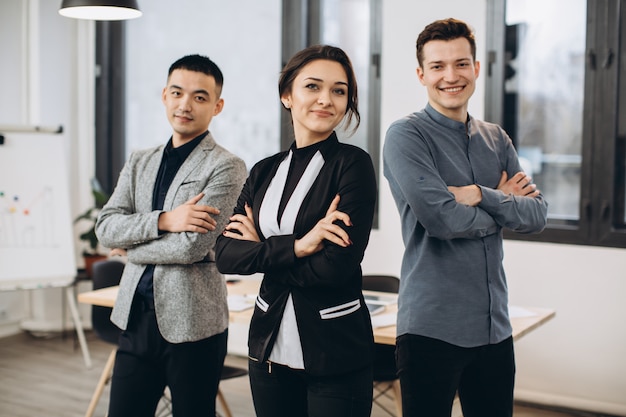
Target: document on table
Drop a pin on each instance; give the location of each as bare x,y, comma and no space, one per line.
240,302
515,311
376,303
383,320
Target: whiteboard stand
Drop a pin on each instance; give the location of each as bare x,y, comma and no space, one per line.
35,325
78,325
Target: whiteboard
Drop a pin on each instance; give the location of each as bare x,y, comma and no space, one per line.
36,234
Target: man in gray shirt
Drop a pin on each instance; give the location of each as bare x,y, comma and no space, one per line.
457,183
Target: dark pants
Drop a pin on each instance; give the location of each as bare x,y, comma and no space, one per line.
284,392
431,372
146,363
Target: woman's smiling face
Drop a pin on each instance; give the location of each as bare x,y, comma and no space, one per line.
318,100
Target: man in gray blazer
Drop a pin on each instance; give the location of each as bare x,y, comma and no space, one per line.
168,207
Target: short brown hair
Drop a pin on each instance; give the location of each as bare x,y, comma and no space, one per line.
444,30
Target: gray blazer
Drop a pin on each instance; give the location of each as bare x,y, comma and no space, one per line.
189,292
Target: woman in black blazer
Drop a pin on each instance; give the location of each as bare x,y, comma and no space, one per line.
304,219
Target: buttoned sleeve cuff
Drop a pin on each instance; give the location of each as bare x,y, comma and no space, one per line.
492,199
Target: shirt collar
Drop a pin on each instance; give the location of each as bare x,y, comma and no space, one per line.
446,121
183,151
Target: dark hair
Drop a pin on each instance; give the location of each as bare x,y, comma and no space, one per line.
330,53
444,30
199,63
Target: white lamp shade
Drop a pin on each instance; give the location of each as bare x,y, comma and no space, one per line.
100,9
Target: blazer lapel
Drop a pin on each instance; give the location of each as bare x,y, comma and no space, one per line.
149,172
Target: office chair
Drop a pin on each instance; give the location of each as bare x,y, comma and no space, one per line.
385,376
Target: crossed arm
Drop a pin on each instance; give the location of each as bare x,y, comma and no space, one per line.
519,184
243,228
188,217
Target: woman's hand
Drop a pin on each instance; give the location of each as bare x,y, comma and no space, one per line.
242,227
325,229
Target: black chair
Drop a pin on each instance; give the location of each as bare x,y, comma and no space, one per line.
105,274
386,380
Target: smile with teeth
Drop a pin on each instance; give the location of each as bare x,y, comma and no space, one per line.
452,89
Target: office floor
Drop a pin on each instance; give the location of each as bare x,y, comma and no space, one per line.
46,377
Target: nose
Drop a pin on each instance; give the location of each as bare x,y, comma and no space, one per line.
184,104
450,75
324,97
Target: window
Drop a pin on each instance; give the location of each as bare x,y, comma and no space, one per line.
354,26
133,58
555,83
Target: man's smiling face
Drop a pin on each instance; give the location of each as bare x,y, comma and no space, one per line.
449,74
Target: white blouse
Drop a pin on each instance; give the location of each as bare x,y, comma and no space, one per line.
287,349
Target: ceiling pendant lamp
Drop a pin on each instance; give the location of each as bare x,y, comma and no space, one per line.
100,9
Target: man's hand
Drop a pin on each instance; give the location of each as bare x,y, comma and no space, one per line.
470,195
118,252
519,184
242,227
189,217
325,229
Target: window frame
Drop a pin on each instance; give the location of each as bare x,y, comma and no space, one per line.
301,28
601,207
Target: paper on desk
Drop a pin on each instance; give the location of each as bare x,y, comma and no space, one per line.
383,320
515,312
240,302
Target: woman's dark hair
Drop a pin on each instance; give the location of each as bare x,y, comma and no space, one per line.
330,53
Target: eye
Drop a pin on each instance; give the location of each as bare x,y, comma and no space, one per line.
175,93
201,98
340,91
311,86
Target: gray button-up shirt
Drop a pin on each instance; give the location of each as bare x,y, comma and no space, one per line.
453,286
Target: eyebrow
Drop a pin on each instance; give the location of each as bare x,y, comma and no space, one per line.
201,91
320,80
441,61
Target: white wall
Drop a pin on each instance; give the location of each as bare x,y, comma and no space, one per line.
576,360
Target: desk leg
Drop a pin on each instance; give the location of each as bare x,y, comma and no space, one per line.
71,301
104,378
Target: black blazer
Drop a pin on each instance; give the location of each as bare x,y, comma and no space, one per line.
336,340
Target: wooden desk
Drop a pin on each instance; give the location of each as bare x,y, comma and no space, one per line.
522,325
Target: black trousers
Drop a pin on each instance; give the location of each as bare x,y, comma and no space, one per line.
146,363
431,371
279,391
